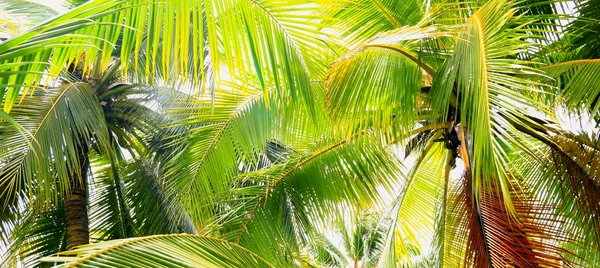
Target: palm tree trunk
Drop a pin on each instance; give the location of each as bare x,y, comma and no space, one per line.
76,215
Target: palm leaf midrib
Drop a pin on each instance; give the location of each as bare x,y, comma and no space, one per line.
280,178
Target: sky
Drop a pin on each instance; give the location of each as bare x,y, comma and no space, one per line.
57,5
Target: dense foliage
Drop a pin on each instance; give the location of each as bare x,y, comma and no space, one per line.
260,133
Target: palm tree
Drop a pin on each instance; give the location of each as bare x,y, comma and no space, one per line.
361,243
76,164
297,108
486,84
76,138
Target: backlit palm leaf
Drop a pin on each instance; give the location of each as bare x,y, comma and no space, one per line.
377,84
162,250
584,30
109,214
249,147
56,121
360,20
246,36
33,236
492,237
17,16
227,132
482,72
573,81
285,201
153,210
566,177
363,240
413,212
326,252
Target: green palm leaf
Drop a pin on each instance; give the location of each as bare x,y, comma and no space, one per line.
361,20
326,253
162,250
32,236
572,79
377,84
246,36
233,128
482,73
584,29
412,214
109,214
285,201
566,177
17,16
57,121
154,211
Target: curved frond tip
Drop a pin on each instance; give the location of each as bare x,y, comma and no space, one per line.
175,250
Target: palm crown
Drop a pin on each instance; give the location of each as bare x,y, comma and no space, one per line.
283,116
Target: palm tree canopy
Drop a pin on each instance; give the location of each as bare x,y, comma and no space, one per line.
253,125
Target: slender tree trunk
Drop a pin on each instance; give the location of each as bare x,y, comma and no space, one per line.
76,214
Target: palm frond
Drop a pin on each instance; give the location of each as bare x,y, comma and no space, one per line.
285,202
154,211
16,16
566,177
70,4
282,51
574,84
584,29
377,84
548,18
419,195
326,253
33,236
130,117
162,250
226,133
4,117
364,238
492,237
109,214
482,73
579,193
361,20
57,121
